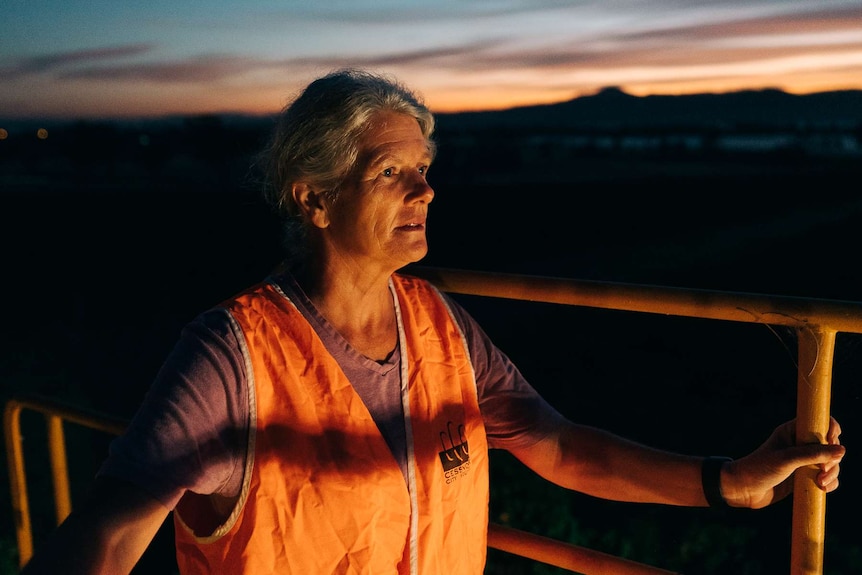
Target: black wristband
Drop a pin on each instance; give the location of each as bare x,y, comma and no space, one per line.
710,476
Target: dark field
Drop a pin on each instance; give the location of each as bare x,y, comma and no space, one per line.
99,277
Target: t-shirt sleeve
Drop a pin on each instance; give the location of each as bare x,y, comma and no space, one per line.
514,413
190,432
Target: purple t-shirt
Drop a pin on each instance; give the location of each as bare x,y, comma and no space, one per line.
191,430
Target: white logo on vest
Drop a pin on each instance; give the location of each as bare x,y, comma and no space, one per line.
456,457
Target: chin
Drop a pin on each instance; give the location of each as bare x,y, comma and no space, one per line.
416,252
412,259
410,253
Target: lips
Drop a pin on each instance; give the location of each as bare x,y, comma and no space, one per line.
411,227
414,224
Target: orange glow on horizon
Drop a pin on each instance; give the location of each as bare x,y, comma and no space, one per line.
442,93
490,99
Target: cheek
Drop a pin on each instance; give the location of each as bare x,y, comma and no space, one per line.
366,213
359,223
373,214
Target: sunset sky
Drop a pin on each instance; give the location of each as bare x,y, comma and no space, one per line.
107,58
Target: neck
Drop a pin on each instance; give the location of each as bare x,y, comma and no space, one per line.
358,306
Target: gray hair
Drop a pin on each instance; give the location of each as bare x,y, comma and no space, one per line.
317,134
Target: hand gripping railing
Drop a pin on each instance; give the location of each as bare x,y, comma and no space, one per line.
816,322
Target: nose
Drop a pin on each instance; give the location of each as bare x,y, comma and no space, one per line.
421,190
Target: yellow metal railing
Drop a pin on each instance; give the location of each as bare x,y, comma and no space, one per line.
55,415
816,321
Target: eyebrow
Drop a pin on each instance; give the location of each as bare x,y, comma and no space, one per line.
386,155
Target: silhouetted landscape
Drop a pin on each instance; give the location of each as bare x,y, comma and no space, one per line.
117,233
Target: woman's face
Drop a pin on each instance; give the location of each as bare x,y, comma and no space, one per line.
380,214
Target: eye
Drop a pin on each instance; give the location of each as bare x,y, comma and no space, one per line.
388,172
423,170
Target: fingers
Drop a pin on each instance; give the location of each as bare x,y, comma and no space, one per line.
830,468
788,430
826,455
834,432
827,480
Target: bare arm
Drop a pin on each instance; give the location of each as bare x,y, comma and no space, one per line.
106,535
605,465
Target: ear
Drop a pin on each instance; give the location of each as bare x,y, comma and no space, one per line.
311,204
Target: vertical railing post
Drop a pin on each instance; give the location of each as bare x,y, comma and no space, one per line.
59,467
814,388
18,480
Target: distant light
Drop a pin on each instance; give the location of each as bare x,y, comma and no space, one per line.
42,134
3,134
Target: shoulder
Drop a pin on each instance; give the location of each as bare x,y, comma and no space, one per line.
198,405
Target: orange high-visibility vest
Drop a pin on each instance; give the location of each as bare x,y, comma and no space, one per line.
323,493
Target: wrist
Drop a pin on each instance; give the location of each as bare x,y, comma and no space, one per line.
710,476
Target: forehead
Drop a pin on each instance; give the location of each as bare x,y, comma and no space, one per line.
392,133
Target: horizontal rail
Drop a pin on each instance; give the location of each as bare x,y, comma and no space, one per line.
77,415
841,316
565,555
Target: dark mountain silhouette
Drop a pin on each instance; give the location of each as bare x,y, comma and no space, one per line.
612,108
